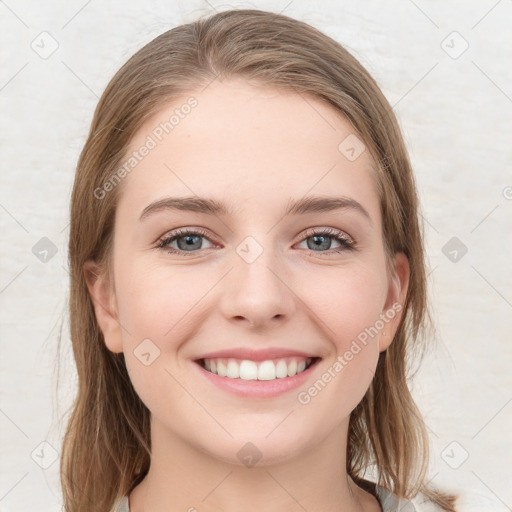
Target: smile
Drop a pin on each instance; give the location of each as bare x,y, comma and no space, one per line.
261,373
246,369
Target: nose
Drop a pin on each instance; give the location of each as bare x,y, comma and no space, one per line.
259,293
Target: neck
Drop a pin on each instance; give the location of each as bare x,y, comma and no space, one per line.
182,478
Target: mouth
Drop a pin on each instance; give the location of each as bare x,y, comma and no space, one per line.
256,373
249,370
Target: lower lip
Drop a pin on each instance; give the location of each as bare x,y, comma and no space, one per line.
257,388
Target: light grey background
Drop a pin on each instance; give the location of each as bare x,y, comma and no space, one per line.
455,109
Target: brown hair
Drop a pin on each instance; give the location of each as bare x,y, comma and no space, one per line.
106,448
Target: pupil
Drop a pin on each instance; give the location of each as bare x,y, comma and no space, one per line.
189,242
318,240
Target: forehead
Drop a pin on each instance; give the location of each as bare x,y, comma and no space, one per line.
242,144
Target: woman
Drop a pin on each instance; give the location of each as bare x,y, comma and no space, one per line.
247,282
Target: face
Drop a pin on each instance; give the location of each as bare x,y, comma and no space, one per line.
265,291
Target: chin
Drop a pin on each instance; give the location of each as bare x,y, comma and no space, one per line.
260,449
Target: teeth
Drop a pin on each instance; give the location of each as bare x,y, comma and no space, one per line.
233,370
248,370
281,369
267,371
292,369
251,370
222,371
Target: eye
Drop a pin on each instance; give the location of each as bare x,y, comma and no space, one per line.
187,240
190,240
320,240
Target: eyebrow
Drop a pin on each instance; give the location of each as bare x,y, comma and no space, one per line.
207,206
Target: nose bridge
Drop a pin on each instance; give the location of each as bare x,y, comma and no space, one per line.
257,284
258,265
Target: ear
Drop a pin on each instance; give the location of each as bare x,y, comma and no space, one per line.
105,308
397,292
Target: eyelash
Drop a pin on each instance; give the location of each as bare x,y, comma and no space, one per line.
347,244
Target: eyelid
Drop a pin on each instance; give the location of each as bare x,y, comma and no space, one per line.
189,230
335,233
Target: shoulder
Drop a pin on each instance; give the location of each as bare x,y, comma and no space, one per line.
390,502
122,505
423,504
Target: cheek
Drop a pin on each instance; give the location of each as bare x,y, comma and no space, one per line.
347,300
349,303
161,309
169,305
158,303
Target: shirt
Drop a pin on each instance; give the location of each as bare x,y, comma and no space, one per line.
388,501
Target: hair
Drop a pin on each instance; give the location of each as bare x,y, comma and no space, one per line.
106,448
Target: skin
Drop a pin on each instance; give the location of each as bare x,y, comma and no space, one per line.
253,148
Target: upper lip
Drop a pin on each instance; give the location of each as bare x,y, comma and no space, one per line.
255,355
